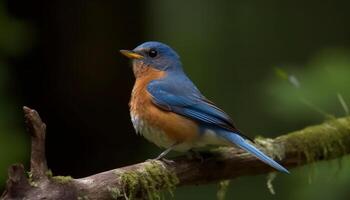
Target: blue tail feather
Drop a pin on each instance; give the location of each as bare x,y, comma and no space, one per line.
242,143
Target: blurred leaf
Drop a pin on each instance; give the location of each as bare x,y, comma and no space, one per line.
281,73
343,104
322,78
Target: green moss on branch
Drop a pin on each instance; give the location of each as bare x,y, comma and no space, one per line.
62,179
148,181
322,142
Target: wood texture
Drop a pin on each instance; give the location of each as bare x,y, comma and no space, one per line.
142,181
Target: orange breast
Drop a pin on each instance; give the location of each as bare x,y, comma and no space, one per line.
176,127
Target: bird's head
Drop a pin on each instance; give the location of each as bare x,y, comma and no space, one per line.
153,55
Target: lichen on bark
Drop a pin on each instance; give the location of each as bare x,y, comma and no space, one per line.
148,182
329,144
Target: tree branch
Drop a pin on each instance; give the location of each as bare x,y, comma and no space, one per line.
37,130
144,180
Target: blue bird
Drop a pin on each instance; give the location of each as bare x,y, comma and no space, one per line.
168,109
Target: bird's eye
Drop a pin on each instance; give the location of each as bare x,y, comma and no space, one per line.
152,53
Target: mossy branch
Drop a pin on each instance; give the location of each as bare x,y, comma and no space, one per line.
145,180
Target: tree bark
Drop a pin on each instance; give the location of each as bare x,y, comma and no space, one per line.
146,180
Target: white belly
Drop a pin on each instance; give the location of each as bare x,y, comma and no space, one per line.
160,138
152,134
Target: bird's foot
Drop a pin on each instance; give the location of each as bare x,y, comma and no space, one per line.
166,161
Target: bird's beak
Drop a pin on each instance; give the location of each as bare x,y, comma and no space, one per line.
131,54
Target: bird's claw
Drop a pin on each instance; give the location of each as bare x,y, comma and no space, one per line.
166,161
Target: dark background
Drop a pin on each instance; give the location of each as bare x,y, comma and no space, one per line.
61,58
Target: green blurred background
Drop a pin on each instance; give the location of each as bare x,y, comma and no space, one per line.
61,58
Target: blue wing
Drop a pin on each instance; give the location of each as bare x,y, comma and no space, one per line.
178,94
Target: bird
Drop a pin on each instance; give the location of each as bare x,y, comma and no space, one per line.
169,110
